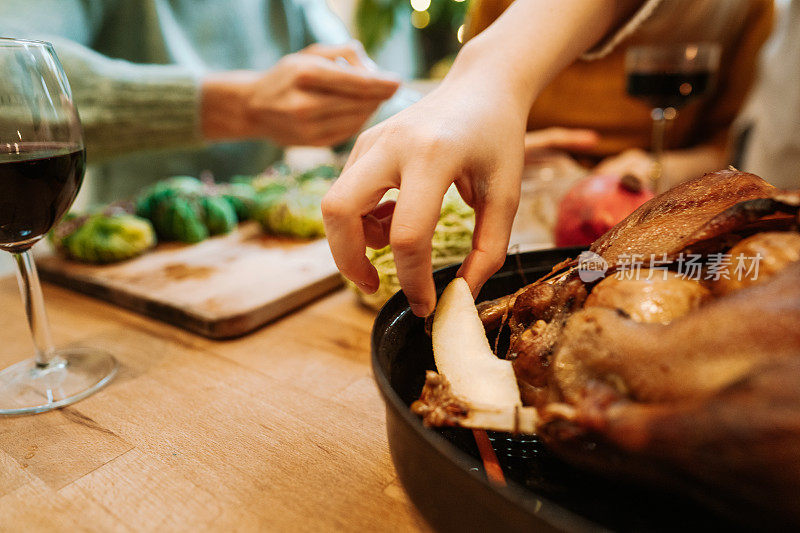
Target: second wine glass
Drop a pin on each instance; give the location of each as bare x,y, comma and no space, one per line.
668,77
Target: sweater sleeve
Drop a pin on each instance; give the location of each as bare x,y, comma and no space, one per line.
124,106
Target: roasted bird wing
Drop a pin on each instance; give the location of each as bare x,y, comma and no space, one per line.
690,213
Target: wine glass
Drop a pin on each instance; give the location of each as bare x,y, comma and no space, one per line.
41,169
668,77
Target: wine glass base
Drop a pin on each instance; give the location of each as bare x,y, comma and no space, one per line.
73,374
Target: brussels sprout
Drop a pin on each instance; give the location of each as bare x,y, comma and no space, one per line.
220,216
177,219
295,212
102,238
289,204
241,196
168,188
294,216
184,209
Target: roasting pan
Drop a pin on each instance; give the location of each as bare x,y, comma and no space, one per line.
441,469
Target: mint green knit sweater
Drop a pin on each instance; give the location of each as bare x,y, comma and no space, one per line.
134,67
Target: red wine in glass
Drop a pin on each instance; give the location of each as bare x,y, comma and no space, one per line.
38,183
41,169
668,77
669,89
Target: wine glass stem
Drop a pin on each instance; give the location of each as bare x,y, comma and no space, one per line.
659,125
31,290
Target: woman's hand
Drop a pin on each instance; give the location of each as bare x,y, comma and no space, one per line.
676,165
352,53
632,162
470,131
542,145
474,139
320,96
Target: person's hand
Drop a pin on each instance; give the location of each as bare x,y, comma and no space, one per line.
470,131
474,139
542,145
632,162
351,53
320,96
676,165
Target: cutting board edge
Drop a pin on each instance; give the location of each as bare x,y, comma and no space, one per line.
252,320
230,327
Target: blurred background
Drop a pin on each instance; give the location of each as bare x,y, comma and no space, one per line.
416,39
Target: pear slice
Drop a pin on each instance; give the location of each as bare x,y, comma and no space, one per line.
463,355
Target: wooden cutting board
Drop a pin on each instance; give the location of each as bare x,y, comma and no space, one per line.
223,287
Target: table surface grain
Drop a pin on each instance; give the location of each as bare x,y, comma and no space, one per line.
281,430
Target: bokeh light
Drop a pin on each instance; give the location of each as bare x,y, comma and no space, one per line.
420,19
420,5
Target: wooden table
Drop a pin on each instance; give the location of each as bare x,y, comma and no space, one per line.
280,430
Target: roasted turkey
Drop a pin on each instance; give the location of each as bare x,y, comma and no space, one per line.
690,383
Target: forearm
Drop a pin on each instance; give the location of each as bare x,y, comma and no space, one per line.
223,105
534,40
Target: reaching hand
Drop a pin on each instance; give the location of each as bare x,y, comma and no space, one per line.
447,137
470,131
320,96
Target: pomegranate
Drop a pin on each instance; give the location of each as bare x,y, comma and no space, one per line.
594,204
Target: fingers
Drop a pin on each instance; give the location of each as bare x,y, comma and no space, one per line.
364,142
326,76
635,162
330,105
413,224
493,220
335,130
353,52
357,191
561,138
